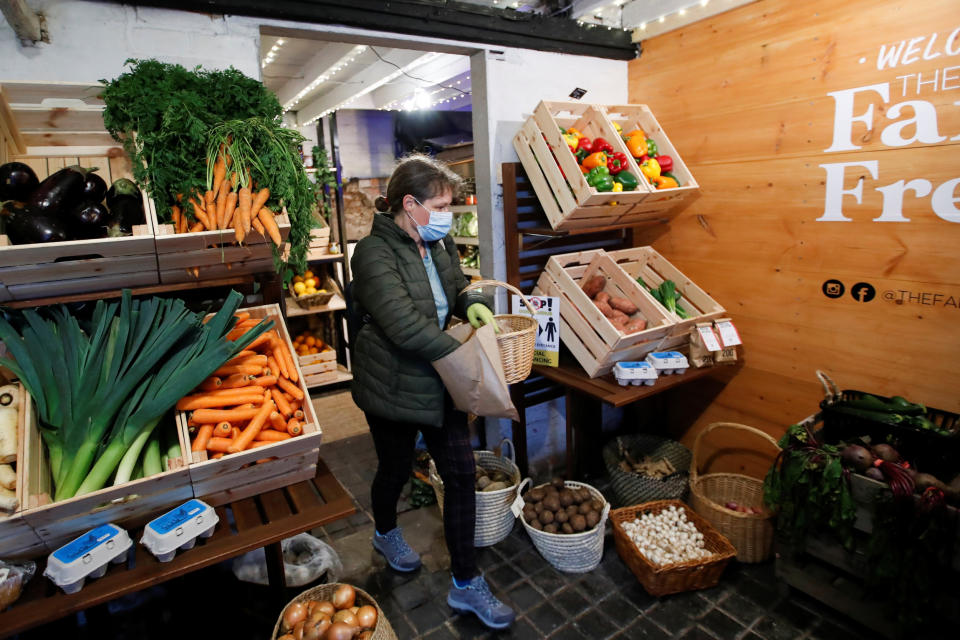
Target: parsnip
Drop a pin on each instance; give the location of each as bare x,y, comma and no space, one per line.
8,477
8,435
8,500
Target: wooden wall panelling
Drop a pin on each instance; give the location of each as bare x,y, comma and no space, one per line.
746,97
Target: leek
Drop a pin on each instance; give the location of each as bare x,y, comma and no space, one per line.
123,373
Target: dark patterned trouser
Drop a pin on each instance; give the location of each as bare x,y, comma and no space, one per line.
453,454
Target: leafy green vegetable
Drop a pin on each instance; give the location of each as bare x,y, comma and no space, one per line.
170,109
325,181
667,295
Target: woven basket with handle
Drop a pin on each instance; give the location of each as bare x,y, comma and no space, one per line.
750,533
633,488
494,517
381,631
571,552
517,337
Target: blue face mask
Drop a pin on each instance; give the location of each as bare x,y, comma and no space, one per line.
437,228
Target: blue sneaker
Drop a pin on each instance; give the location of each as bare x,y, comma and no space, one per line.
395,549
476,598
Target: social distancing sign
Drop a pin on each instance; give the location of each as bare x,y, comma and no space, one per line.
547,349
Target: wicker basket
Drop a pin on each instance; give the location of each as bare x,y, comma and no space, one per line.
634,488
570,552
494,517
517,337
381,631
671,578
751,534
315,299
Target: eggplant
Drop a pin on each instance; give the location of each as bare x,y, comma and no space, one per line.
88,220
59,192
17,181
94,188
24,226
126,205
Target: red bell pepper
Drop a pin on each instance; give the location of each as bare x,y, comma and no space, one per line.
665,162
584,144
600,144
616,162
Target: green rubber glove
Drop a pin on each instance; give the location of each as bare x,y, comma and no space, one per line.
479,314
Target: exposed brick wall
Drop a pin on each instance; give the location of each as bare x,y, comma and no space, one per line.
358,198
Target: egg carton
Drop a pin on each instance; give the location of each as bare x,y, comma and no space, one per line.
635,373
668,362
87,556
179,528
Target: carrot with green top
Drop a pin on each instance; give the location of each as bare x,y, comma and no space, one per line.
268,219
258,201
245,205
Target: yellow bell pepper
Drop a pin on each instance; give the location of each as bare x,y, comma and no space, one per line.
650,168
665,182
598,159
571,141
616,125
573,132
637,145
617,187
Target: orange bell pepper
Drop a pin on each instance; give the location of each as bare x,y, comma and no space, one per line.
598,159
636,132
665,182
637,145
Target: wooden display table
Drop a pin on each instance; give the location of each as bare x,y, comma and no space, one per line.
584,398
241,528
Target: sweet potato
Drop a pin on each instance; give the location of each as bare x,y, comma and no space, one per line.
619,321
637,324
620,316
603,296
594,285
623,305
605,308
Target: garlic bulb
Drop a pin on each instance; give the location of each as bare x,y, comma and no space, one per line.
667,537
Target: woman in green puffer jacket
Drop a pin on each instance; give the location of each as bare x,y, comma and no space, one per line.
406,285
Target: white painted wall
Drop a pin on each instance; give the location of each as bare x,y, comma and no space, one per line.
91,40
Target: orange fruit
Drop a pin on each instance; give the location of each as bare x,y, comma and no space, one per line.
310,341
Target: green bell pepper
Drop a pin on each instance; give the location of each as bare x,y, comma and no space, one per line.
651,147
600,179
627,179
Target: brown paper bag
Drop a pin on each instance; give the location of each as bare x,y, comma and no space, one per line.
473,374
700,355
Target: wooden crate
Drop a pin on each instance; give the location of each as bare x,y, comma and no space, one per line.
49,127
594,341
128,505
17,537
646,263
639,116
215,254
240,475
568,201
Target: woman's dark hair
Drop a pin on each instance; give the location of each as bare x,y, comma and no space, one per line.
422,177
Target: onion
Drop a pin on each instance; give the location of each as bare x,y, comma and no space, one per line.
366,635
367,616
293,614
298,630
324,606
345,615
344,597
857,457
285,636
339,631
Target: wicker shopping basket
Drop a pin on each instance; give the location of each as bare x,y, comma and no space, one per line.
571,552
633,488
381,631
750,533
517,337
678,577
494,517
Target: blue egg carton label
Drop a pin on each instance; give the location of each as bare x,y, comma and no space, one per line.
634,365
177,517
662,355
73,551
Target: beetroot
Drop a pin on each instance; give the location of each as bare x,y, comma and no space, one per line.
886,452
857,457
874,474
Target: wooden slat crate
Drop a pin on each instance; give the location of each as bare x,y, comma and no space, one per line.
215,254
594,341
36,123
568,201
17,537
243,474
653,268
128,505
639,116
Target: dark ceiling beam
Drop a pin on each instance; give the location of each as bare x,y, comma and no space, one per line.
459,21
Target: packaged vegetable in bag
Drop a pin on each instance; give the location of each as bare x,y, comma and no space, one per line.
13,577
305,559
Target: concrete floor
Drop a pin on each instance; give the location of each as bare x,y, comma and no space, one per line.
606,603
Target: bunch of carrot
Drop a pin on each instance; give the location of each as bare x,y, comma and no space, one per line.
251,401
229,204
